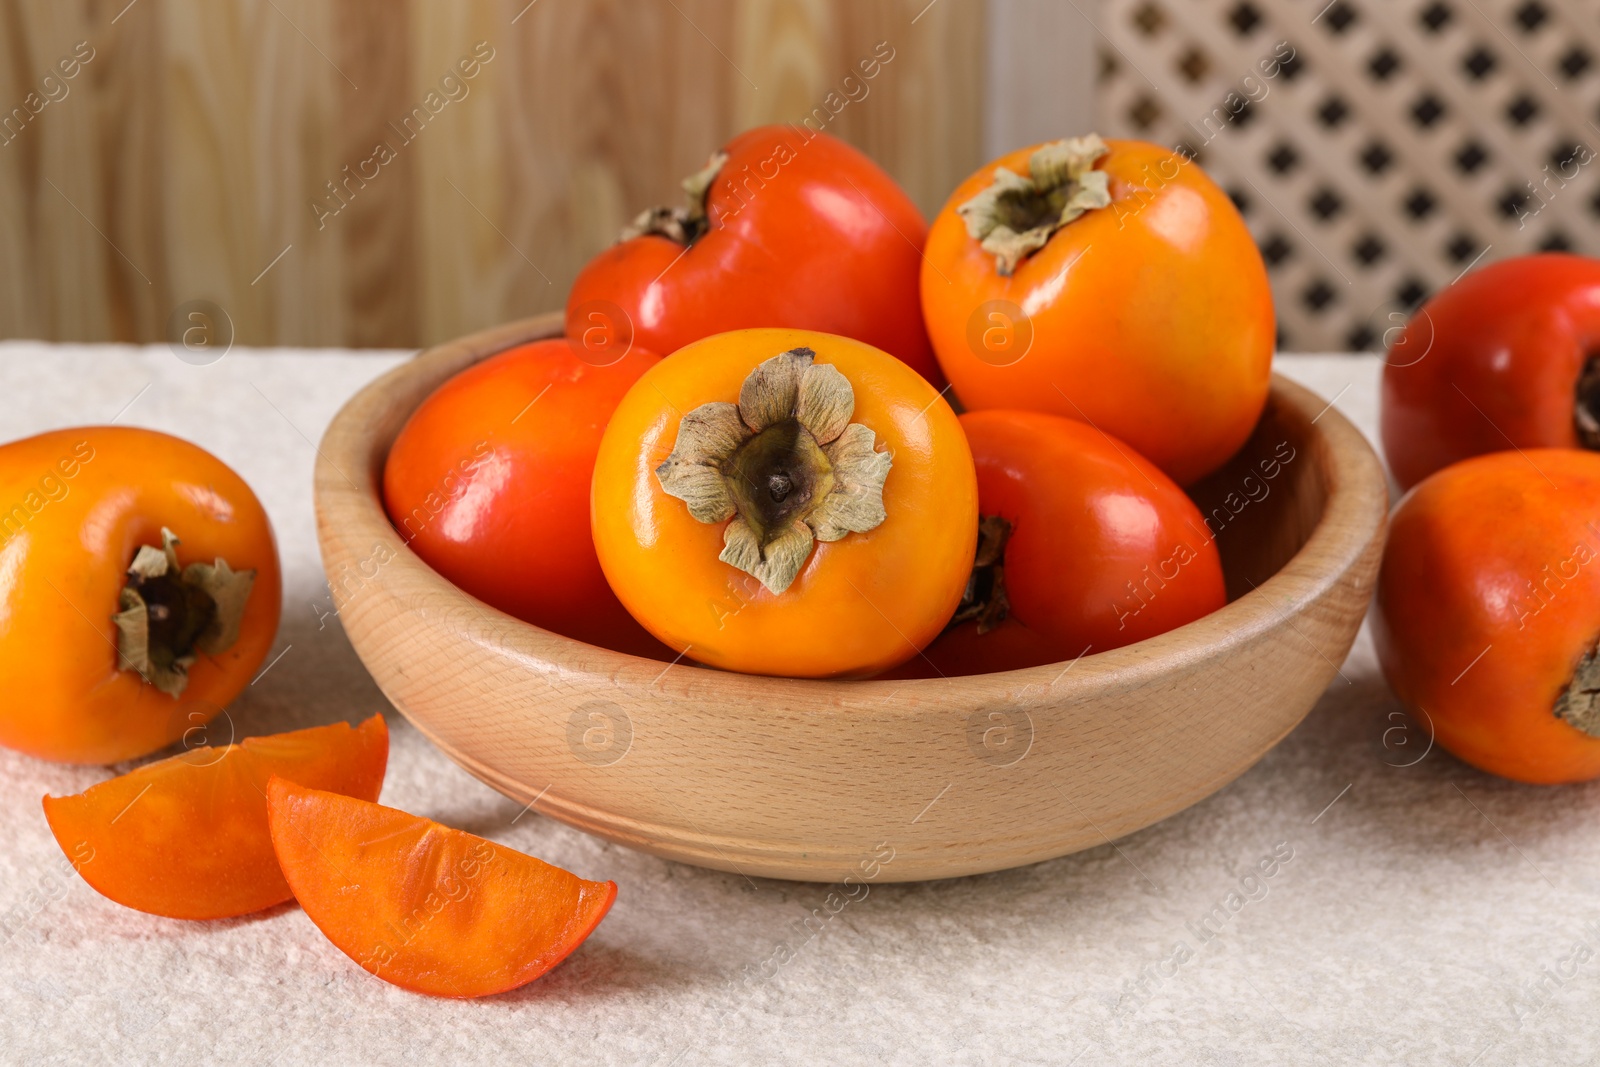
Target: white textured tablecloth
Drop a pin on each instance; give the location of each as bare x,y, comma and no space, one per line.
1427,913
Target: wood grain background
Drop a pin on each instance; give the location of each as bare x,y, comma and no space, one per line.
183,159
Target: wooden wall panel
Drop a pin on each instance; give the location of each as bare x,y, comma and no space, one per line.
222,123
372,240
124,111
192,153
52,170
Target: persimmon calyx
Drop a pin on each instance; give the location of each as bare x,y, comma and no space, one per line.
785,464
1016,215
985,596
1579,702
1586,410
170,614
684,225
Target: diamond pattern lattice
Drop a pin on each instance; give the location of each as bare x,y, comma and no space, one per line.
1377,148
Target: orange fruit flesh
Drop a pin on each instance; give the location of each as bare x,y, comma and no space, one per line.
187,838
425,907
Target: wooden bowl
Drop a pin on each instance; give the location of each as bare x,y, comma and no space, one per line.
871,780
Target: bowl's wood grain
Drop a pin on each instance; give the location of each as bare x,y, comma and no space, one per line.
817,779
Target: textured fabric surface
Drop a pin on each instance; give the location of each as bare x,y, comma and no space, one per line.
1417,911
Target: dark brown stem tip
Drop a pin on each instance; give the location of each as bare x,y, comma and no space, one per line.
167,616
1586,405
785,463
985,597
683,225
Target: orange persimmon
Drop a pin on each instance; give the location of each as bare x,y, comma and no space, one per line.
142,591
1110,282
187,837
1487,622
786,502
425,907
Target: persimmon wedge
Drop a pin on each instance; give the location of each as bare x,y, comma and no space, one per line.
425,907
186,837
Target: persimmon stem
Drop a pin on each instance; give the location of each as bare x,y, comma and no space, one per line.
682,225
1579,702
785,463
169,615
1016,215
985,596
1586,407
775,474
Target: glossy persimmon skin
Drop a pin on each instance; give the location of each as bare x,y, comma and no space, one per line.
825,241
859,605
67,562
488,482
1151,318
425,907
187,837
1476,636
1105,550
1491,363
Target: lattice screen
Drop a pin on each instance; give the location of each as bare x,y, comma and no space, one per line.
1405,141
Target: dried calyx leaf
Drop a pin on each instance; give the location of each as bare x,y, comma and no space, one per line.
168,615
1579,702
685,225
1016,215
785,464
985,596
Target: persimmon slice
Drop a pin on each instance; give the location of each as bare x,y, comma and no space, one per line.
425,907
187,837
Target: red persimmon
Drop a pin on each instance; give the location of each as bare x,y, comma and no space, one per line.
1488,612
1507,357
489,483
1084,546
785,227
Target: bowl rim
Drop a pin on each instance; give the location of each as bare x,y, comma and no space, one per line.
348,471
